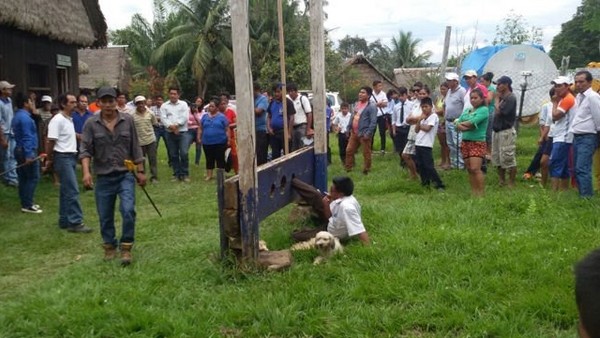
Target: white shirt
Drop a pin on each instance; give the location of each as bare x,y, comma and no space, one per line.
345,220
378,98
302,106
586,119
397,117
342,122
426,138
175,113
416,113
62,130
559,129
546,114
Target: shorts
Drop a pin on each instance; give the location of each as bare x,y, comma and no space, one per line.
559,160
410,148
473,149
547,147
504,148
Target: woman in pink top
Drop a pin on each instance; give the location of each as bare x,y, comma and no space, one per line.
192,132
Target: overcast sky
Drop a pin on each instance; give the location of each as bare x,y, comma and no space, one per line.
383,19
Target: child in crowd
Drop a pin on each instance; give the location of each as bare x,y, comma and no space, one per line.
340,123
426,130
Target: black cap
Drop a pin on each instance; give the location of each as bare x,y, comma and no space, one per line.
504,80
106,91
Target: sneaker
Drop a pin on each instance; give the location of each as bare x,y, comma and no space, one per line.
174,179
154,180
382,152
80,228
186,179
34,209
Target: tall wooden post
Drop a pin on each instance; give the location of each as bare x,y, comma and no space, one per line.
445,55
248,199
286,134
317,63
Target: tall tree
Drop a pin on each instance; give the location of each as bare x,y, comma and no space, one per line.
350,46
515,30
380,56
579,37
405,51
202,40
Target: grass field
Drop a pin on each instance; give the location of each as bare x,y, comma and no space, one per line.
441,265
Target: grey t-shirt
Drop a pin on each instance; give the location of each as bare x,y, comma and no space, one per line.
454,103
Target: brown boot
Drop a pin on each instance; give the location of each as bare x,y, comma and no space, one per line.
110,252
126,253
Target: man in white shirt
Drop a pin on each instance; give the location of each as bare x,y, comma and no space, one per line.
584,127
339,211
174,116
61,148
400,127
303,118
341,126
379,98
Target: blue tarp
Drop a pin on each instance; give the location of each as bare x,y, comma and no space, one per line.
478,58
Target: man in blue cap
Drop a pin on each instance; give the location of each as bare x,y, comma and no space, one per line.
504,137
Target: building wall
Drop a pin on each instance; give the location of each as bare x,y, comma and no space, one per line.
32,63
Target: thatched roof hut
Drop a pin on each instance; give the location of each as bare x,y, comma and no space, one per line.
107,66
39,41
368,72
58,20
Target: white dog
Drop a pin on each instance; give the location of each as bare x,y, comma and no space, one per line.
326,243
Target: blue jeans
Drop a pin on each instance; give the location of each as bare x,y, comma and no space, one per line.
107,188
8,161
584,148
454,139
178,150
29,176
161,132
69,209
191,139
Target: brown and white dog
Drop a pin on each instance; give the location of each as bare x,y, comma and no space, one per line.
326,243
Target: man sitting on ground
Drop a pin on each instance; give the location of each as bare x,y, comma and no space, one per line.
338,211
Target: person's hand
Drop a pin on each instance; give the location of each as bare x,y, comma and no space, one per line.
88,183
141,178
4,143
310,132
540,140
28,161
270,131
366,137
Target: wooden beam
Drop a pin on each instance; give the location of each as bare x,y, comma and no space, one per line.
286,131
317,63
245,127
445,54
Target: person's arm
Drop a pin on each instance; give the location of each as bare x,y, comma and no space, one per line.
595,109
86,151
481,114
137,155
373,120
199,132
291,110
364,238
427,126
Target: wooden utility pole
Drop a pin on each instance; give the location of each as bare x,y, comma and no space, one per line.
317,64
245,128
445,54
286,134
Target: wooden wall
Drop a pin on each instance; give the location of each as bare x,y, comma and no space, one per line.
26,59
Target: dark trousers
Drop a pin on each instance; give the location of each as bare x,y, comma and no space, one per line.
314,198
426,168
343,143
382,123
277,145
149,152
262,147
215,153
28,175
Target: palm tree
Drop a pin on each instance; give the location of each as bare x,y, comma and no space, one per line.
405,53
202,42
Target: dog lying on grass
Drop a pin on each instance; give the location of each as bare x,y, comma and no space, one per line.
326,243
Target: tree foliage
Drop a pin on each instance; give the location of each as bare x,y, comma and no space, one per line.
405,52
579,37
515,30
349,46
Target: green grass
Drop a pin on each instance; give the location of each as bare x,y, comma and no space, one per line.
442,265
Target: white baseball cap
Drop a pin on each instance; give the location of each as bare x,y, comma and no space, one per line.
6,84
139,98
452,76
562,80
470,73
46,98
